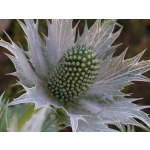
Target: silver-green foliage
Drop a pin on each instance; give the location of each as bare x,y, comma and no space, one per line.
103,104
3,114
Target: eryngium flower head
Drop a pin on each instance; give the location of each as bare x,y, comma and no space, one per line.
80,77
73,74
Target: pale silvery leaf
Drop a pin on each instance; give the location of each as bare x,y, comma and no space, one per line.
3,114
122,110
37,95
35,46
100,37
36,122
13,125
115,73
24,71
74,121
102,103
18,115
61,37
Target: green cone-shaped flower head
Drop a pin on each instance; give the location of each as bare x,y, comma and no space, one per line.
74,74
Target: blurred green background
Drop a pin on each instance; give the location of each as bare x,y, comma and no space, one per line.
135,35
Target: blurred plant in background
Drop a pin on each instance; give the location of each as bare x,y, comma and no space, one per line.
49,120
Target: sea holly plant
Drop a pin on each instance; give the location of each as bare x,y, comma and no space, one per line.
76,80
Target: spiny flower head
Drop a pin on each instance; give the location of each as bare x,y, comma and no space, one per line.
74,74
78,77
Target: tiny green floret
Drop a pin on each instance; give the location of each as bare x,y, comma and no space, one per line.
74,74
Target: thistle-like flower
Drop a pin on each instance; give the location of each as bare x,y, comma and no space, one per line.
79,77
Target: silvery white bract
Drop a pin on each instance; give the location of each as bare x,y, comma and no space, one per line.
99,101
